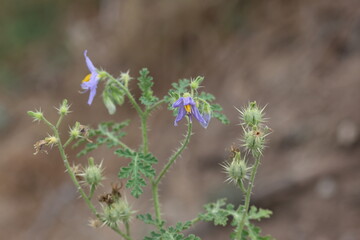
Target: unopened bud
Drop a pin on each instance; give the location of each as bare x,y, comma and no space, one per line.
93,173
237,169
195,84
125,76
64,108
254,141
37,115
252,115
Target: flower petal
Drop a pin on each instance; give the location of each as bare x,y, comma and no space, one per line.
180,115
89,64
92,94
178,103
188,100
207,118
195,112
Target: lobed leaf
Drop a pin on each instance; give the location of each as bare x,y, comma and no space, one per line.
140,166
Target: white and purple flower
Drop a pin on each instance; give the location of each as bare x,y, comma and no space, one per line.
187,106
91,80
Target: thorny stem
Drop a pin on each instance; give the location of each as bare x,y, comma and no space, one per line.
247,199
75,181
155,182
155,193
177,153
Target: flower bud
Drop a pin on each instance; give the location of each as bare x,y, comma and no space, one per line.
237,169
37,115
252,115
125,76
93,173
108,102
64,108
75,131
254,141
195,84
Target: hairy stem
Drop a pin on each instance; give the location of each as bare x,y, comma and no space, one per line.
128,94
72,175
155,193
247,199
176,154
145,145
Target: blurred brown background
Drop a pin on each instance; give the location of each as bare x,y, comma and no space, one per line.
302,58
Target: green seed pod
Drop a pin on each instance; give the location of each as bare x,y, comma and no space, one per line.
119,211
254,141
93,173
252,115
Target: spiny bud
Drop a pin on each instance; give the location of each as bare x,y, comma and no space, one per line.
252,115
119,211
125,76
237,169
92,174
254,141
37,115
195,84
64,108
75,131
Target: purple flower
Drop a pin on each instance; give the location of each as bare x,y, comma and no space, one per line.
187,106
91,80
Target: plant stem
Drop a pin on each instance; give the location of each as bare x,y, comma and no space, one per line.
155,193
145,145
117,230
68,142
176,154
59,121
241,186
128,94
247,199
72,175
92,190
127,228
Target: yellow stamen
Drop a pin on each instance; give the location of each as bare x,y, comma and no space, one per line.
87,78
188,108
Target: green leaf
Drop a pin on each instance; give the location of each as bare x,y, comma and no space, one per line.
258,214
254,232
140,166
217,212
107,133
145,84
173,233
